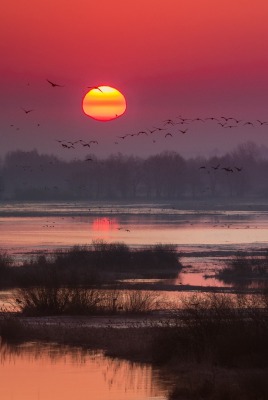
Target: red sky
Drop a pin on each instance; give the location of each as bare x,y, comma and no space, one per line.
168,57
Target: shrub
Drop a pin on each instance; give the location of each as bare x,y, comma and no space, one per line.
89,266
138,301
244,269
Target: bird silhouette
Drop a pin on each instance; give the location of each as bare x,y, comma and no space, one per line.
122,137
262,122
212,119
159,129
227,169
27,111
217,167
168,122
95,87
183,131
53,84
168,134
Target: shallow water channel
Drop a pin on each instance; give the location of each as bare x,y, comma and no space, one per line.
41,372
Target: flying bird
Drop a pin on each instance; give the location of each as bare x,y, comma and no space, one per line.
160,129
168,134
95,87
123,137
54,84
168,122
212,119
26,111
217,167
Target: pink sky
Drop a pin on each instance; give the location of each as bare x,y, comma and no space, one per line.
167,57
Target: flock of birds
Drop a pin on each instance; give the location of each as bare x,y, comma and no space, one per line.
182,126
167,129
217,167
30,110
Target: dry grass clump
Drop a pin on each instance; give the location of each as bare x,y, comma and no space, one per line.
58,301
138,301
224,330
81,301
91,265
245,269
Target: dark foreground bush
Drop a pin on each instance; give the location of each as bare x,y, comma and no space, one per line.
80,301
58,301
229,331
93,265
117,259
244,270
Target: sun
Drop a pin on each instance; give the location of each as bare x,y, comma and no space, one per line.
104,103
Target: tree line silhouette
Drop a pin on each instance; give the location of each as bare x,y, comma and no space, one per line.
241,173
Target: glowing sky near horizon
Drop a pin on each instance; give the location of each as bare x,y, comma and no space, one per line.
169,58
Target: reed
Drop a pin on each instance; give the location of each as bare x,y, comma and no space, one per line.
92,266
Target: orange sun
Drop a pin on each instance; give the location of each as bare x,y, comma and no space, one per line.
104,103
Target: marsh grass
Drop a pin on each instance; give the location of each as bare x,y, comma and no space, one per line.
137,301
245,269
91,265
215,348
225,330
83,301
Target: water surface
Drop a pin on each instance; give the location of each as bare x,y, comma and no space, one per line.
198,235
42,372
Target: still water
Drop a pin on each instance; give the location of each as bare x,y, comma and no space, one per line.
30,226
205,238
42,372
